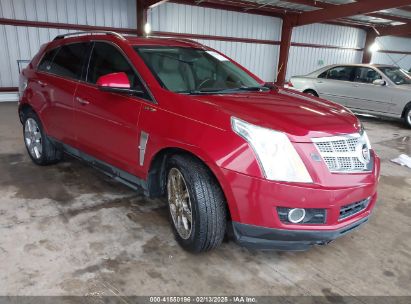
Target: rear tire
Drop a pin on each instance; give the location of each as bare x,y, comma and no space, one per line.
407,116
39,147
197,209
311,92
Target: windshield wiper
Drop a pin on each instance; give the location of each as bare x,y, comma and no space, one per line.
218,91
255,89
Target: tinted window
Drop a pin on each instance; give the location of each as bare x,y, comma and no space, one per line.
69,60
344,73
45,63
366,75
106,59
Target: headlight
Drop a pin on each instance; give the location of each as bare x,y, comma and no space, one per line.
276,155
365,136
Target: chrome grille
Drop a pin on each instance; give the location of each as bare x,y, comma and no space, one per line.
343,154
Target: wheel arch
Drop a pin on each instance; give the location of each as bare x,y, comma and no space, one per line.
23,109
311,90
407,106
156,177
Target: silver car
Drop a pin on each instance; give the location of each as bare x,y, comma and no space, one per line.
375,89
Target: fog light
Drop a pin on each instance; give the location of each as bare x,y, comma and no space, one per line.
296,215
312,215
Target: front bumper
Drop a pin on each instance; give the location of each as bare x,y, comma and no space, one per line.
290,240
253,204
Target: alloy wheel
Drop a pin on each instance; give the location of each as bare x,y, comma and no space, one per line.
32,138
180,203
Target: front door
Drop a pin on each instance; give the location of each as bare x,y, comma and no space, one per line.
366,96
106,122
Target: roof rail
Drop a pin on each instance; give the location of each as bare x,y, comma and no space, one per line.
62,36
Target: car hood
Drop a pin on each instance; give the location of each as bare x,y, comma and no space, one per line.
300,116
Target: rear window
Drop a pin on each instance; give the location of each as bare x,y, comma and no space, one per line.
68,60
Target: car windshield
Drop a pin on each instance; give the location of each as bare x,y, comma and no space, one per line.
196,71
397,75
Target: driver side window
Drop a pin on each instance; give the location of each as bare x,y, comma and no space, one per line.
106,59
366,75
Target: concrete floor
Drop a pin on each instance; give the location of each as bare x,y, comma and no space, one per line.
69,230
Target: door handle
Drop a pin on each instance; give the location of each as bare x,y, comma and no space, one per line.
82,101
148,108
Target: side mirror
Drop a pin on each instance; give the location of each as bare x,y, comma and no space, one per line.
379,82
116,83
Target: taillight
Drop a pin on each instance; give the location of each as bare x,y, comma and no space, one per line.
290,84
22,84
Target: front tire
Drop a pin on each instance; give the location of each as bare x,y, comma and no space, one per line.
41,150
196,204
407,117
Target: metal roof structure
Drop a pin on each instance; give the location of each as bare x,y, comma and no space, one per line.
391,17
377,17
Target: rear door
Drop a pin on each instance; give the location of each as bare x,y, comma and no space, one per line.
365,95
57,78
106,123
335,84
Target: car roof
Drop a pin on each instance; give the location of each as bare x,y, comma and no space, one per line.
160,41
132,40
375,65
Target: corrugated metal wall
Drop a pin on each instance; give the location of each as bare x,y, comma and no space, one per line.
303,60
112,13
261,59
393,44
21,43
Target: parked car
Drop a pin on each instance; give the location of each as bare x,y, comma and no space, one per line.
375,89
273,168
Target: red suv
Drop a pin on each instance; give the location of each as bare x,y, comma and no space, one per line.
273,168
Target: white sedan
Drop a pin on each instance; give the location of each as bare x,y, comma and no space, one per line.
375,89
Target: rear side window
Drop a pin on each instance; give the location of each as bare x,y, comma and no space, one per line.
45,63
106,59
344,73
69,60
